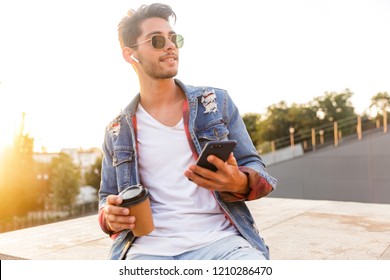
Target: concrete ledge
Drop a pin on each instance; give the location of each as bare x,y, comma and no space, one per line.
8,257
294,229
77,239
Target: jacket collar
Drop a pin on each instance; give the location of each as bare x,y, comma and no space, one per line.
191,92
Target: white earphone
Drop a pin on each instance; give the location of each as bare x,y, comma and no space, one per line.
135,59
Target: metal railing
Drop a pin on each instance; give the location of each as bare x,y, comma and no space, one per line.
47,217
332,133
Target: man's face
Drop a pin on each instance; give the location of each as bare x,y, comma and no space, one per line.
157,63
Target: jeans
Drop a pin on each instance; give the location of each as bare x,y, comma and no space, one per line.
229,248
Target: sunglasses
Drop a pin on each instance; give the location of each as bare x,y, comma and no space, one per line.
158,41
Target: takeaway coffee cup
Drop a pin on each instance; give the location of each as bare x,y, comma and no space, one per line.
136,198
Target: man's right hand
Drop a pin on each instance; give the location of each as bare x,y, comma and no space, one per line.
117,218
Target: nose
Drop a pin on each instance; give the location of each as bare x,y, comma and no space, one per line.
169,45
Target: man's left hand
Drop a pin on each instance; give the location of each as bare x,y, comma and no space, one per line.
227,178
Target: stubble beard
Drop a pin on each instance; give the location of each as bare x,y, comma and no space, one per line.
154,71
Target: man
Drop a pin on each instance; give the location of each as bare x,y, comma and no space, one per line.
198,214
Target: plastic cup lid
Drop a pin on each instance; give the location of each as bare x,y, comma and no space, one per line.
133,195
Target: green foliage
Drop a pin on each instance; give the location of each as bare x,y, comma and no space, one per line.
335,106
280,117
274,125
42,171
380,100
93,175
64,181
253,123
379,103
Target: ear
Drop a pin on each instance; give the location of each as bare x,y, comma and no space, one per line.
126,53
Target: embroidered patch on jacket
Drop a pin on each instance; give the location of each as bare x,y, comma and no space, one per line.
209,101
115,126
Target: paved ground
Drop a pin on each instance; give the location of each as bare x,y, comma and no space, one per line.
294,229
318,230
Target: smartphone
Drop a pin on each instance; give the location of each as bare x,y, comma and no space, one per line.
220,149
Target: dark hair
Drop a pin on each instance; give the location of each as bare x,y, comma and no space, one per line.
129,27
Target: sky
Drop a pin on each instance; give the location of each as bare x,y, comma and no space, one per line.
61,64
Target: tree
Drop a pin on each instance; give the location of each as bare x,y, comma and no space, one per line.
275,125
337,107
280,118
18,190
64,181
42,172
252,122
93,175
334,106
380,102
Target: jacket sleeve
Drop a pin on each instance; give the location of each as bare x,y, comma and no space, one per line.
102,222
258,187
107,184
260,183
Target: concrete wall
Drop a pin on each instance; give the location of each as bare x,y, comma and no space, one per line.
283,154
354,171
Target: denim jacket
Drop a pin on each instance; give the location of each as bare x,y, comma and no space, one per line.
209,114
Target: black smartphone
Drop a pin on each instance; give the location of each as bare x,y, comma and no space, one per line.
220,149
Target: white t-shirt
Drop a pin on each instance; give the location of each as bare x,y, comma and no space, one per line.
186,216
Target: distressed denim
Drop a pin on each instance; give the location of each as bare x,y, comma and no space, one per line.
212,115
